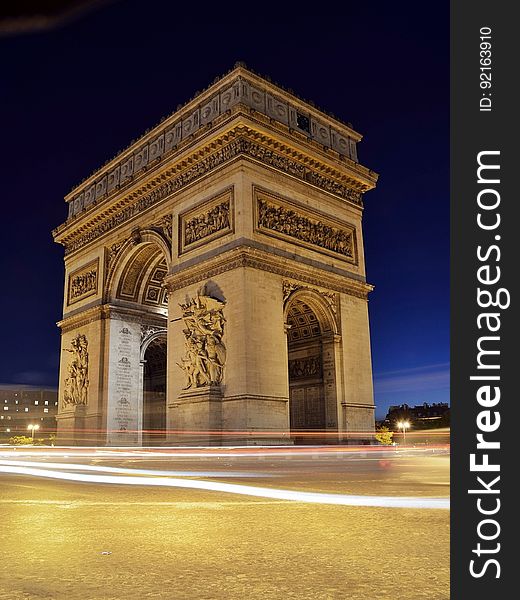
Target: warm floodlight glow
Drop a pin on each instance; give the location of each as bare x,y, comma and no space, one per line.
403,426
32,428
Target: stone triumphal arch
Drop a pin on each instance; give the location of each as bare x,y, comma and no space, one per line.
215,283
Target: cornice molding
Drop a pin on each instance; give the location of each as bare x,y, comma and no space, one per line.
239,87
109,311
257,259
240,142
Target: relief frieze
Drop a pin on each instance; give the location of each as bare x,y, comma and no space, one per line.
206,222
76,383
205,353
83,282
305,368
282,220
238,146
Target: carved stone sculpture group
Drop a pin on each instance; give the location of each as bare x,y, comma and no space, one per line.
205,354
83,283
76,384
300,368
207,223
289,222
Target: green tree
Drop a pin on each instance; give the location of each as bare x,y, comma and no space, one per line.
384,436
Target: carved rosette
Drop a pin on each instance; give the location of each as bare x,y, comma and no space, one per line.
205,353
76,383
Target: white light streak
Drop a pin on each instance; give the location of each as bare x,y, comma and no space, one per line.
78,467
260,492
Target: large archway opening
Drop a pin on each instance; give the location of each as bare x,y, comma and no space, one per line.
137,387
307,406
154,392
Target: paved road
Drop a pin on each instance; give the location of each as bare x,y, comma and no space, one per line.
70,540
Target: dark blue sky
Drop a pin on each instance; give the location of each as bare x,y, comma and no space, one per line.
72,97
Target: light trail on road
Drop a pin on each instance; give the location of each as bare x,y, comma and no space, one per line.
216,452
261,492
79,467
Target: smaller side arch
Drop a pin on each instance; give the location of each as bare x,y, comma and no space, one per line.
149,338
128,250
153,386
314,366
320,306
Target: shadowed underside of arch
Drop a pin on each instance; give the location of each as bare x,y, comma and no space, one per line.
308,319
141,278
154,393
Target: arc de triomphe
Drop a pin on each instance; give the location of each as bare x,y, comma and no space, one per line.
215,285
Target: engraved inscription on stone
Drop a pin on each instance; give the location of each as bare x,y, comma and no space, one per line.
307,408
124,383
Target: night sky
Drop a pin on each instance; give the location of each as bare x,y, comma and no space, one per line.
74,95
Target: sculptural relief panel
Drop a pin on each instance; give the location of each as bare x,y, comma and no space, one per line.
206,222
83,282
289,221
308,367
75,387
205,353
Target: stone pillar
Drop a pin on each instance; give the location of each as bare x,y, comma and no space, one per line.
71,423
124,383
254,386
198,412
331,374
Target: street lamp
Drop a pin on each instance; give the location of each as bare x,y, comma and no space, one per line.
32,429
404,425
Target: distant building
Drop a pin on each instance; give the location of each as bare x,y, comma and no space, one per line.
422,416
24,405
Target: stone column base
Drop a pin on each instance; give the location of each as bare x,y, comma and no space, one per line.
71,428
197,413
358,424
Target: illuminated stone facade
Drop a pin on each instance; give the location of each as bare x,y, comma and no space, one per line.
215,279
